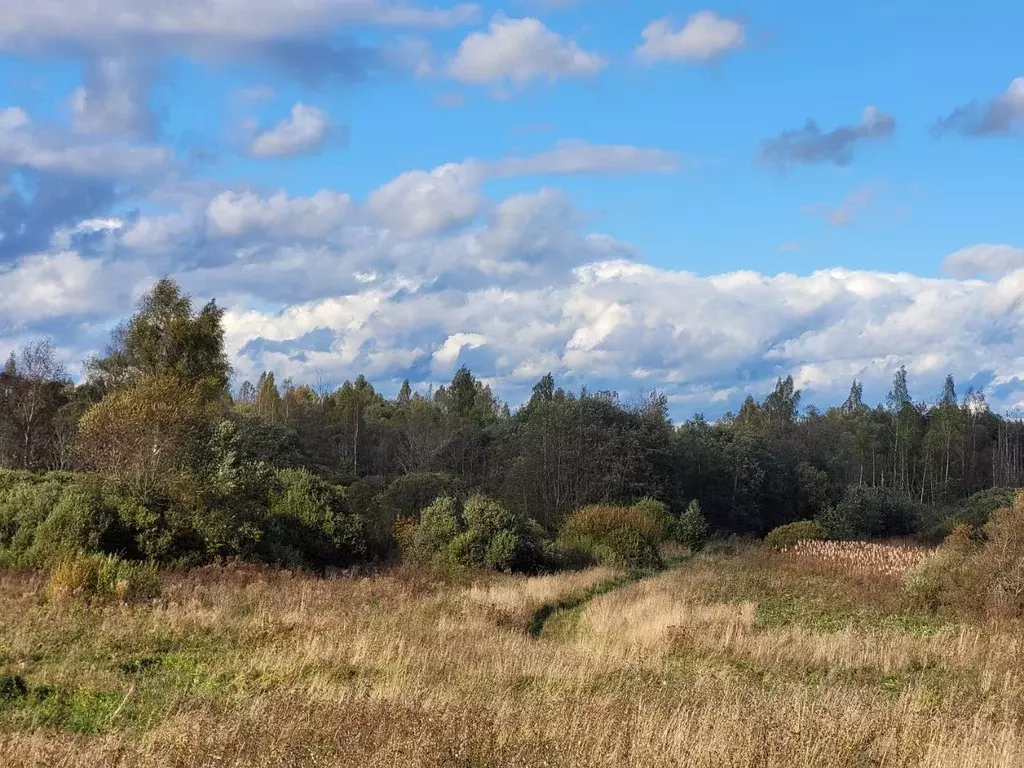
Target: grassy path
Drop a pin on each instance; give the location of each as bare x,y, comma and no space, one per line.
548,611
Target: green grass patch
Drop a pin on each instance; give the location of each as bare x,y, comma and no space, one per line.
823,618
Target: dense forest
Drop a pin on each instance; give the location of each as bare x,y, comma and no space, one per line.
154,456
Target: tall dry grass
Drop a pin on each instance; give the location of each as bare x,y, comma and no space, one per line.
692,668
863,557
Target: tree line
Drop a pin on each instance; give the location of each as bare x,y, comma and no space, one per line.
155,415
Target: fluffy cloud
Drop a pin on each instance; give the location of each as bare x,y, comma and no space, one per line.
418,203
520,50
313,283
422,202
810,145
302,133
993,261
232,214
705,37
997,117
21,146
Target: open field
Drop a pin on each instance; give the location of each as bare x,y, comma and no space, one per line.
737,661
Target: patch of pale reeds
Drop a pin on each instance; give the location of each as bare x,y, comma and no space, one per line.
862,557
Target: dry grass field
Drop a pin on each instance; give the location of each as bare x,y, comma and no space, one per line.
747,660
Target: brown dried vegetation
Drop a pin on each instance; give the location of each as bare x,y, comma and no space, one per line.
753,660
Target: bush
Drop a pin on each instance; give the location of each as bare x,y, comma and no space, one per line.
626,548
79,522
692,529
658,512
403,498
974,511
307,523
595,522
871,513
485,535
977,509
102,577
786,536
996,569
25,502
568,555
973,574
621,537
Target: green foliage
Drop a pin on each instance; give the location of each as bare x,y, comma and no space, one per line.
658,512
786,536
977,509
626,548
871,513
622,537
95,577
307,523
974,573
485,535
166,337
402,498
25,502
46,517
692,529
597,521
78,522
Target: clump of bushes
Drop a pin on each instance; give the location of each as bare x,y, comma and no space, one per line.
484,533
307,523
97,577
658,512
617,536
598,521
786,536
871,513
381,504
974,511
976,571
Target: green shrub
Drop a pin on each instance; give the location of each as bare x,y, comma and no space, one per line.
307,523
595,522
972,573
786,536
403,498
871,513
569,554
977,509
79,522
25,502
627,548
692,529
658,512
620,537
485,535
102,577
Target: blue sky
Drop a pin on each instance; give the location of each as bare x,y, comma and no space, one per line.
695,198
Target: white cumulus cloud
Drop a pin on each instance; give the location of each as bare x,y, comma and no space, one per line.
303,132
704,37
518,51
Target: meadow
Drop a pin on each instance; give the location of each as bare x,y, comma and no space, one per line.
740,658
